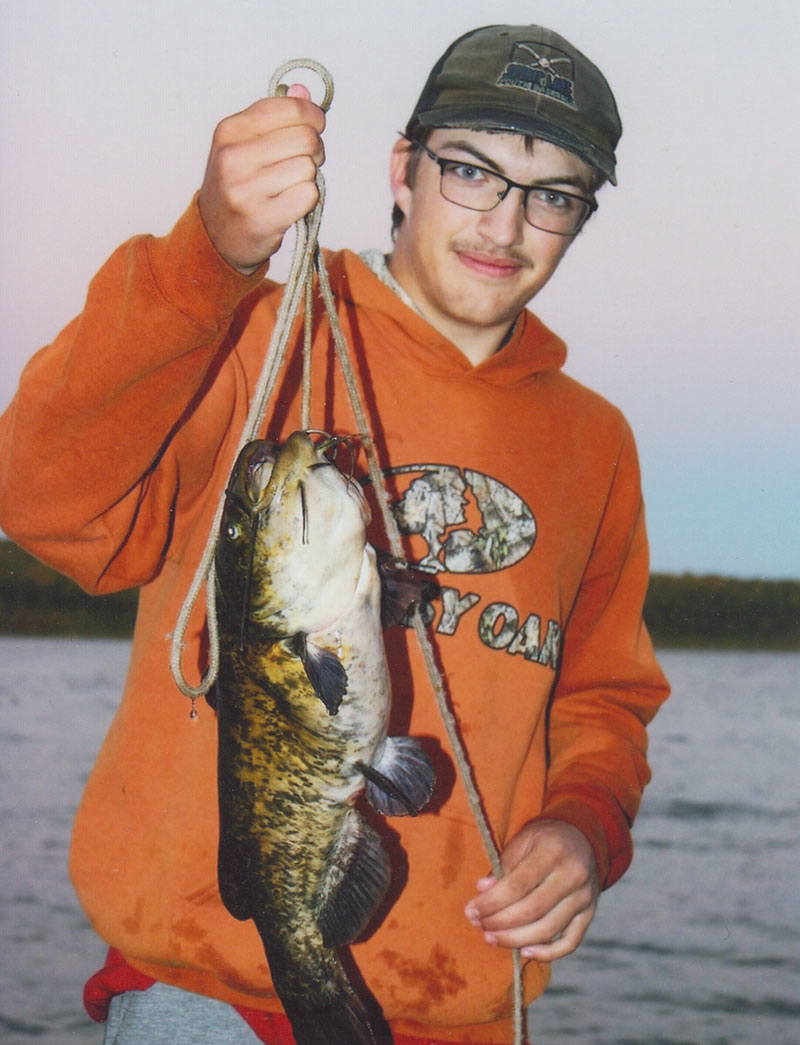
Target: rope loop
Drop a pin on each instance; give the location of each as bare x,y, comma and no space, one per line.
275,88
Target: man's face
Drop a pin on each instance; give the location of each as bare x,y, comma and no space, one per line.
472,272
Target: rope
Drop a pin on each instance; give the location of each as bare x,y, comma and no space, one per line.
306,233
306,257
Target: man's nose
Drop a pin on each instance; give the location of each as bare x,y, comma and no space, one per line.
505,223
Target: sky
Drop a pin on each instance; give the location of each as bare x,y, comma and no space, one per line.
679,302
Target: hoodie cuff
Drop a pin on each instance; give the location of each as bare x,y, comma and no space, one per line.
193,276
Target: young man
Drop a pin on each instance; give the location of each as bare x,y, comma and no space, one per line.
516,484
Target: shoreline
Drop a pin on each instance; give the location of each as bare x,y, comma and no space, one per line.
682,611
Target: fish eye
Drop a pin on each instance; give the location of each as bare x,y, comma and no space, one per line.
233,531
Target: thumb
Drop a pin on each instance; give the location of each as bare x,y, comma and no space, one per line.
297,90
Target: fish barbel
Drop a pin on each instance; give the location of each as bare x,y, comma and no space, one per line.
302,703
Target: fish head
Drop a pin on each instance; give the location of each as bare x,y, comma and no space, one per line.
292,541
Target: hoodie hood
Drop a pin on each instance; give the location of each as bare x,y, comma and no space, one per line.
532,348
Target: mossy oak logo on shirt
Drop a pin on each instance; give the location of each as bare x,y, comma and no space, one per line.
435,506
471,523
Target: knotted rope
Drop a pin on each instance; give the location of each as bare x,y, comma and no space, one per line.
306,258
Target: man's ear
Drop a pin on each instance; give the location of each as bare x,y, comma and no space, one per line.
398,164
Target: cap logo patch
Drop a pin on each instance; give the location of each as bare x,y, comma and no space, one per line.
542,70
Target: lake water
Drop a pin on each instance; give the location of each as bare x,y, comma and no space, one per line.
699,944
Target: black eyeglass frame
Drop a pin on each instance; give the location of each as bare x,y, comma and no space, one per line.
442,162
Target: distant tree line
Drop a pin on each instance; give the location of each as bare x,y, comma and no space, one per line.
680,611
690,610
36,600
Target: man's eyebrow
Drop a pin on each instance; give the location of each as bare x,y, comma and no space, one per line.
482,158
574,180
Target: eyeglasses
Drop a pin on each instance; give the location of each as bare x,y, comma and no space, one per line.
477,188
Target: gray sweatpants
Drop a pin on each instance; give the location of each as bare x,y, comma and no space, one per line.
165,1015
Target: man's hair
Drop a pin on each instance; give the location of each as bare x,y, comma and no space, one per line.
421,136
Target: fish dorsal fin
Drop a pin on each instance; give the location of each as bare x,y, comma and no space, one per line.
324,670
403,588
357,879
401,779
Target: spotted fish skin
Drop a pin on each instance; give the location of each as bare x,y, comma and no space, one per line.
302,703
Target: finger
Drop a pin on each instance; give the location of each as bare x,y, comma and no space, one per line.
273,181
496,894
543,930
537,881
280,196
269,114
527,864
507,904
273,146
532,907
525,880
562,945
238,162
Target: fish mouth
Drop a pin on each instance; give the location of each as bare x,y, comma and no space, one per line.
256,468
327,450
267,469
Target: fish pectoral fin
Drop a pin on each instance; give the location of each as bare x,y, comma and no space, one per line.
325,671
404,588
401,779
357,879
381,792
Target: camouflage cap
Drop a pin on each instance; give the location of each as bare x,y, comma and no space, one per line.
528,80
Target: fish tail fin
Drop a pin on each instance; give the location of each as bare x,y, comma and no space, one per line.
342,1019
324,996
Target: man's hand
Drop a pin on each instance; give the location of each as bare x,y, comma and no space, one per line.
260,176
547,896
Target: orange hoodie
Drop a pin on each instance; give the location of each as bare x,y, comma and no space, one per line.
516,484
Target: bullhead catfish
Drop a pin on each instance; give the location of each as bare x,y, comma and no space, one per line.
302,702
